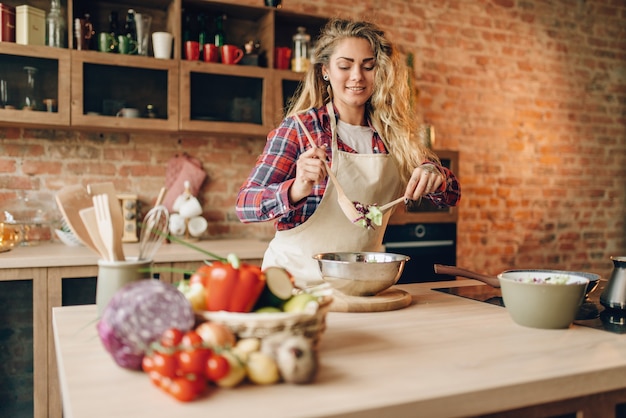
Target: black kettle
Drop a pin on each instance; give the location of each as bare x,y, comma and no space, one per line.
614,294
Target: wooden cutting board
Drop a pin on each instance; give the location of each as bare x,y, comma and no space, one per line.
389,300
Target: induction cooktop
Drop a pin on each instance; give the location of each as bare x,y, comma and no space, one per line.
591,313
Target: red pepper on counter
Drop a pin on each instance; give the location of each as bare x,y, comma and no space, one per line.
249,286
231,286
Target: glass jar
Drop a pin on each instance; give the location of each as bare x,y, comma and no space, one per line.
300,57
31,101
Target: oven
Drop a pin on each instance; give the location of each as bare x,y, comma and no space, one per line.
426,244
425,233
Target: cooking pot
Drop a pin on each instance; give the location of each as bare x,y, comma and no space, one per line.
493,281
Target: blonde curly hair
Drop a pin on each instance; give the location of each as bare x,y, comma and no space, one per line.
389,109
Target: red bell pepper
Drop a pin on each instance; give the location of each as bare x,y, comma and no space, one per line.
250,284
221,282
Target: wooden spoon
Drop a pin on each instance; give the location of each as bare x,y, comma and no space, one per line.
117,218
71,199
88,215
345,203
105,224
391,204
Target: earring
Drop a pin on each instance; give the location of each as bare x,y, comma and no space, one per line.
325,77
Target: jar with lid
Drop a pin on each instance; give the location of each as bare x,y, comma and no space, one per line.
300,58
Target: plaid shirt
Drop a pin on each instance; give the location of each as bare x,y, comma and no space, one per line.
264,195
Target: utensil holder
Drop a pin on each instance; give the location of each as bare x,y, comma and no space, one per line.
113,275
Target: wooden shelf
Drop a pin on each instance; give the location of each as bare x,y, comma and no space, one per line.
85,80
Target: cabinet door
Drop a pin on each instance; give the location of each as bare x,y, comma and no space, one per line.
103,84
50,67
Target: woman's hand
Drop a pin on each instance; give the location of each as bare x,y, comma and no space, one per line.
424,179
309,171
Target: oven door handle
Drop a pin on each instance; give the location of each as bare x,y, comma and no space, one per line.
419,244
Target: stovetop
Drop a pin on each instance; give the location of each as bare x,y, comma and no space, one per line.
591,314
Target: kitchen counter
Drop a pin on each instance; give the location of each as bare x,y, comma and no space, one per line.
443,356
55,254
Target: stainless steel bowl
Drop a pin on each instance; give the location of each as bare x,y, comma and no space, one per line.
361,273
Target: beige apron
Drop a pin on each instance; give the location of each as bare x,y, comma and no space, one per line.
366,178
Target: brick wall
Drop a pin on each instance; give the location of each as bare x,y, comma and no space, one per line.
531,92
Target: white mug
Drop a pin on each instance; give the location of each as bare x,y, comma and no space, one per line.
162,45
128,112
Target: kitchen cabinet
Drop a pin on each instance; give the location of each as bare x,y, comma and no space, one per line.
51,82
188,96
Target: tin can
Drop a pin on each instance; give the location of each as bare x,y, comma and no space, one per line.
7,23
30,25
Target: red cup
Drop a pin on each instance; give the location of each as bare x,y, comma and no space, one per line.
231,54
282,58
192,50
211,53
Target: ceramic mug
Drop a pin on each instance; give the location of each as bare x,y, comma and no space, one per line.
192,50
128,112
210,53
126,45
282,57
107,42
231,54
162,45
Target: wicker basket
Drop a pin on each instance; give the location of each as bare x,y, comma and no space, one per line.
261,325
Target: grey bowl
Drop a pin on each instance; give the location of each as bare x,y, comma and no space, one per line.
542,305
361,273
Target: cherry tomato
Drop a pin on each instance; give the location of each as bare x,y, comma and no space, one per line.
217,367
171,337
147,363
183,389
192,360
191,339
164,364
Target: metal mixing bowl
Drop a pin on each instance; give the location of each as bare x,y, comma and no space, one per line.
361,273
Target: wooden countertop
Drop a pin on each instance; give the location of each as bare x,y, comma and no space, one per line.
61,255
443,356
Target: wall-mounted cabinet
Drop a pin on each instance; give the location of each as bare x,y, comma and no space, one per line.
102,84
90,86
34,80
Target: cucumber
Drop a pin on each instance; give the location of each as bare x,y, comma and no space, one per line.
279,287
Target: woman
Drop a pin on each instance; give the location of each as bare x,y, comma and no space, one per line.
355,101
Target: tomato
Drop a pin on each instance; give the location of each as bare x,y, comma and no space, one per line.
147,363
171,337
191,339
164,364
217,367
192,360
183,389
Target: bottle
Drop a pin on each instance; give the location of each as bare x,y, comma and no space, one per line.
219,38
300,52
203,35
130,28
55,25
114,24
187,29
